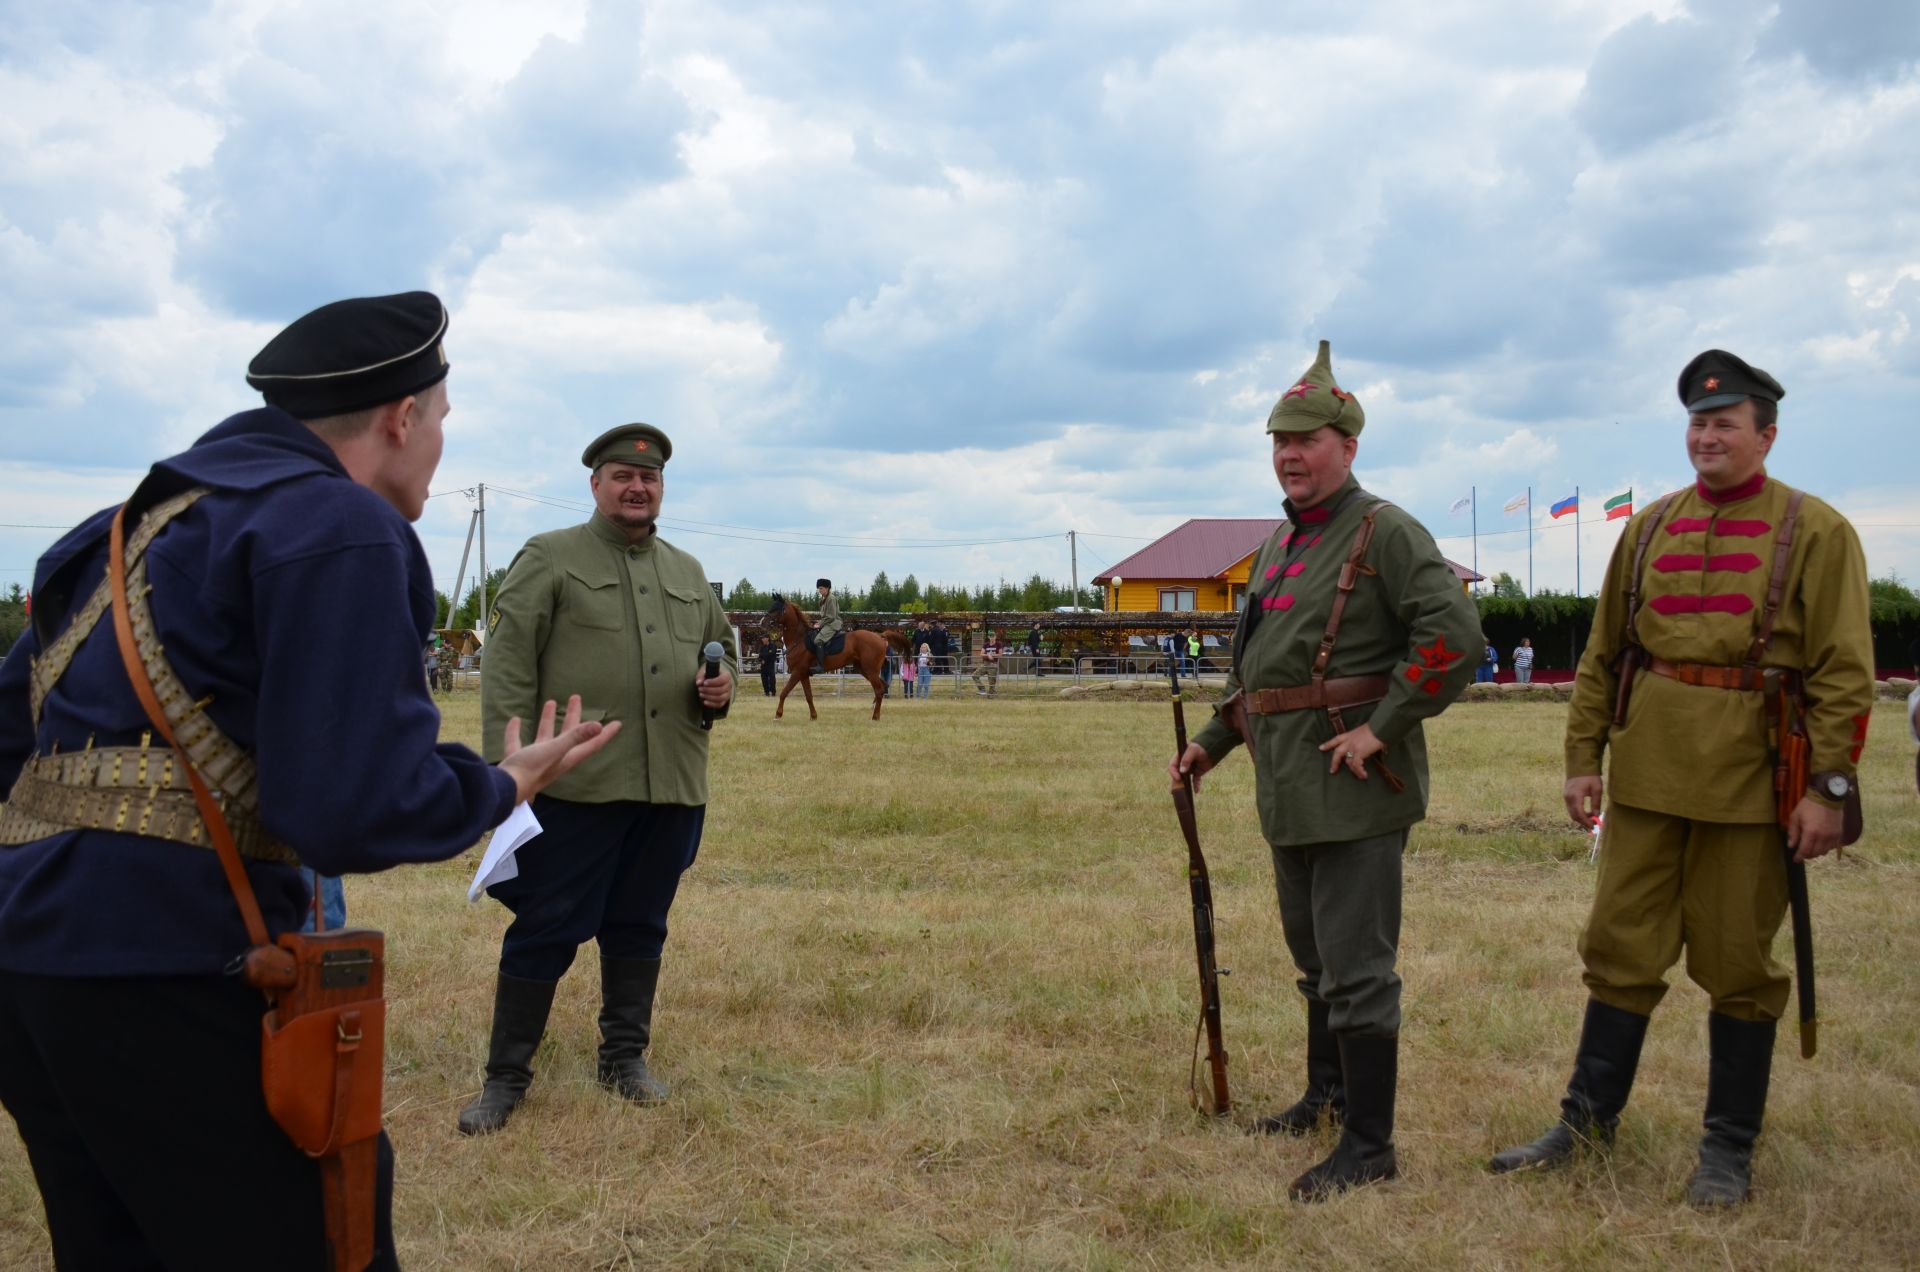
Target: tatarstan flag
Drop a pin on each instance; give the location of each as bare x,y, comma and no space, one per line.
1620,506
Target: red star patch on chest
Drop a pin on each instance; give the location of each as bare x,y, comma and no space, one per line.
1299,390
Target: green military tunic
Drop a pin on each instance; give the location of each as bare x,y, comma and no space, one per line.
582,611
1411,621
1701,752
831,624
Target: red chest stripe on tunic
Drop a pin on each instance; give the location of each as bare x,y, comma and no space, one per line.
1296,569
1717,603
1728,529
1730,563
1273,572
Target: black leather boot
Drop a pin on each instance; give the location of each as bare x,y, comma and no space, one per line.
1370,1071
1609,1056
1738,1072
520,1010
1325,1094
626,1026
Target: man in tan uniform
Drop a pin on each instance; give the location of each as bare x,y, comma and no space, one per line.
621,616
1692,856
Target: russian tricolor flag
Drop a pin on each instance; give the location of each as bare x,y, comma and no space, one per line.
1570,504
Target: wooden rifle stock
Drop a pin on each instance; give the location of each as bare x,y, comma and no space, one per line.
1200,886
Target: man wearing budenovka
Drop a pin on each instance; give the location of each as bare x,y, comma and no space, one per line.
1331,693
621,617
288,601
1718,599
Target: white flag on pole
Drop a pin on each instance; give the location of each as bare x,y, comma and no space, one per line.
1460,506
1517,503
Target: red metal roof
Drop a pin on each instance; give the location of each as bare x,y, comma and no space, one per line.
1207,547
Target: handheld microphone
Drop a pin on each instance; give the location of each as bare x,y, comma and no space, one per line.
714,652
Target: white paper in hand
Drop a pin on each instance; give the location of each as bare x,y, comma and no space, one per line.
497,864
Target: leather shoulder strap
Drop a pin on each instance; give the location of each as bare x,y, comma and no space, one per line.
1777,583
217,828
1350,572
1655,515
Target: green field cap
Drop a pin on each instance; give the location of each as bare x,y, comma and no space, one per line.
641,445
1717,378
1316,400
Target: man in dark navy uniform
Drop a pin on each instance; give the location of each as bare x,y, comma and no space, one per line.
291,601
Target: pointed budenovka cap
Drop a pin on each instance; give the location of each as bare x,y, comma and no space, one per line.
1315,400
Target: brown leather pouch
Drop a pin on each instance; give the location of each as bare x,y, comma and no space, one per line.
321,1046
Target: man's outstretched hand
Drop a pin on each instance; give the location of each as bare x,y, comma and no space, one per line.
549,756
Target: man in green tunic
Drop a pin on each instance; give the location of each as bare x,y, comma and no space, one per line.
1335,692
622,618
1692,855
829,626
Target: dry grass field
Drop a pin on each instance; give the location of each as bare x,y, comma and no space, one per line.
929,999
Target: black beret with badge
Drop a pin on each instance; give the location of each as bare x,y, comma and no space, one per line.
352,355
1717,378
641,445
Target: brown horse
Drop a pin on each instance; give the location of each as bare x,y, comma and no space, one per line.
865,652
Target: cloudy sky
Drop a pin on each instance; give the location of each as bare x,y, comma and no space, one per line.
924,289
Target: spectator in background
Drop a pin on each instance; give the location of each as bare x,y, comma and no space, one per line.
988,667
926,670
942,648
1033,645
1523,662
769,664
907,676
1489,665
1193,652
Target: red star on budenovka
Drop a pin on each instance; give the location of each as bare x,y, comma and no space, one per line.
1299,390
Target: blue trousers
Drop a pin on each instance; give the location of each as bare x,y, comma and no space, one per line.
600,872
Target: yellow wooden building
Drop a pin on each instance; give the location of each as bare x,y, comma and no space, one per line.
1199,567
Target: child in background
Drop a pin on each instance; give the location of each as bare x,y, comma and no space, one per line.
926,671
907,678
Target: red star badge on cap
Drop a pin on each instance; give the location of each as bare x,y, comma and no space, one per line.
1299,390
1713,382
640,445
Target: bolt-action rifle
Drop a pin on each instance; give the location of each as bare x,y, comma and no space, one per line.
1201,887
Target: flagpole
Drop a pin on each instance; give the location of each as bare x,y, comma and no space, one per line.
1473,495
1529,541
1576,540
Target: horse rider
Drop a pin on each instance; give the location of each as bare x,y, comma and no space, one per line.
830,626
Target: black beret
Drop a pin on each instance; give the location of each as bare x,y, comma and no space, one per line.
1717,378
354,354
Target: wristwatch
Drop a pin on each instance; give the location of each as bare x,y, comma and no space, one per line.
1832,783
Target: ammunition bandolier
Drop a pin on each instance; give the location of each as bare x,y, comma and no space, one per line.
137,790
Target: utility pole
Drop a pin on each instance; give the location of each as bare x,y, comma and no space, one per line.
460,579
1073,555
480,519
